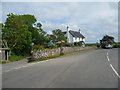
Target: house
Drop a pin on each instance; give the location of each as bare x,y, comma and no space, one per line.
74,36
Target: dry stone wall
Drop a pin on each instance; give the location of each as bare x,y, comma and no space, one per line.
54,52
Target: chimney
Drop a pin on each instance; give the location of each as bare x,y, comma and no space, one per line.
79,30
68,28
68,34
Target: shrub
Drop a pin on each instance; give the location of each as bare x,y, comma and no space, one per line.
77,43
50,46
67,44
38,47
42,47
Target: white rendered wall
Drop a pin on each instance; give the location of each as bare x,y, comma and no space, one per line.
71,38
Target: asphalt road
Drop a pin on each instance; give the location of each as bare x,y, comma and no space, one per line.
87,69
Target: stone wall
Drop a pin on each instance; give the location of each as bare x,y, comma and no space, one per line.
54,52
45,53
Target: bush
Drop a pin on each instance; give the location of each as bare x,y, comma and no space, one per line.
50,46
77,43
42,47
38,47
67,44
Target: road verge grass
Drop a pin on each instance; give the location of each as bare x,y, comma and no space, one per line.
13,58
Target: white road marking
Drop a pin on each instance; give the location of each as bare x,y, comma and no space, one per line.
107,53
27,65
115,70
112,65
24,66
17,68
32,63
108,58
7,70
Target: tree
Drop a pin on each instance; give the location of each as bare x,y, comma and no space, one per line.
1,34
41,31
106,40
58,35
37,37
17,34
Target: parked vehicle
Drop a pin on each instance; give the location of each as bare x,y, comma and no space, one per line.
108,46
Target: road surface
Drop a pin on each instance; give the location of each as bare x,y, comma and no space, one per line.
86,69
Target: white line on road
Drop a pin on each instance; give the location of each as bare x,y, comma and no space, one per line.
31,64
108,58
112,65
18,67
115,70
107,53
24,66
8,70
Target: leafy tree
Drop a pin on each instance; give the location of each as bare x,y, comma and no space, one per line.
58,35
37,38
52,38
19,33
106,40
41,31
0,34
16,33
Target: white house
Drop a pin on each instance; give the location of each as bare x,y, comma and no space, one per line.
74,36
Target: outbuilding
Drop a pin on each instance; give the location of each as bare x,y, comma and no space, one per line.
4,53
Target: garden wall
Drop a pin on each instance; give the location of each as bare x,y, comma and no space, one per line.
54,52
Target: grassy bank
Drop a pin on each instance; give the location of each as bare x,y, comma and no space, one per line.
13,58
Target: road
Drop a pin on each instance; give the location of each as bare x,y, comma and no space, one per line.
86,69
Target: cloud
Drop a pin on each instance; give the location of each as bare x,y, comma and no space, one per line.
0,12
94,19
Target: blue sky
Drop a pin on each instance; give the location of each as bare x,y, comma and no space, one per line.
95,19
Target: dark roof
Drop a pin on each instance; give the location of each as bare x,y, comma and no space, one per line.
76,34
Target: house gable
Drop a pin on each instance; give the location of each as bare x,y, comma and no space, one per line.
76,34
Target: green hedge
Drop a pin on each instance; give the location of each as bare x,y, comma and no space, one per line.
92,44
116,45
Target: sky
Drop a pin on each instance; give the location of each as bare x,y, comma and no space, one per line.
94,19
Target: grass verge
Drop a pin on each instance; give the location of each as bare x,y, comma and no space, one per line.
13,58
0,62
61,55
3,62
